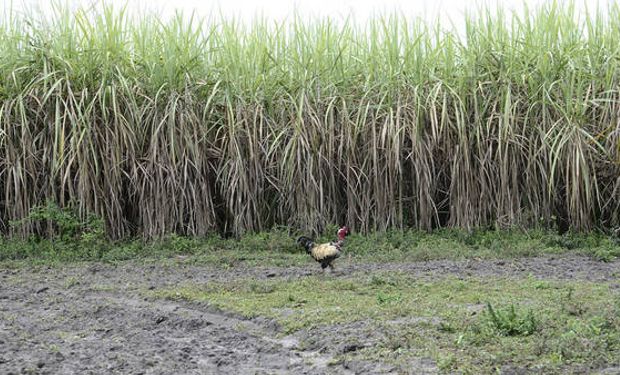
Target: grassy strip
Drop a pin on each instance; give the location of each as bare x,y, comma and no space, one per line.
278,248
471,326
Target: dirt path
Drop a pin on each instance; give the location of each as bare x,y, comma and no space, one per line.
94,318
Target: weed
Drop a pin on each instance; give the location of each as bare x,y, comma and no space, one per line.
606,253
446,362
261,288
446,327
62,223
71,282
379,281
383,298
510,322
570,305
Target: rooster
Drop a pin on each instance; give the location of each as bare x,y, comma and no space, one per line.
325,253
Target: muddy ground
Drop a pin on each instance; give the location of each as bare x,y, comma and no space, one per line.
95,318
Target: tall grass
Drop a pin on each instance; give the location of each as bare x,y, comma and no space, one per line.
194,127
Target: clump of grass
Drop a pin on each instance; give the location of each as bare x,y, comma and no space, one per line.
384,298
71,282
261,288
606,253
378,281
510,321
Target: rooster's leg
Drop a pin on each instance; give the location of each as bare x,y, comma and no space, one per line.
323,267
332,267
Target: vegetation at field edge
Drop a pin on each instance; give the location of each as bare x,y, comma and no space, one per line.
196,127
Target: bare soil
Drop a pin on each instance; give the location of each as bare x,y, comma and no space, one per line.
95,318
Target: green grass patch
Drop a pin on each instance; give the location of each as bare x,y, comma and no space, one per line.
470,326
278,248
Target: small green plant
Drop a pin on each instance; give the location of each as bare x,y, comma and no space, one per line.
63,223
446,327
61,234
542,284
571,305
377,280
510,322
179,244
261,288
71,282
446,362
606,253
384,299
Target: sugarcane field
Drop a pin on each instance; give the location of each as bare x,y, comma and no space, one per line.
310,188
